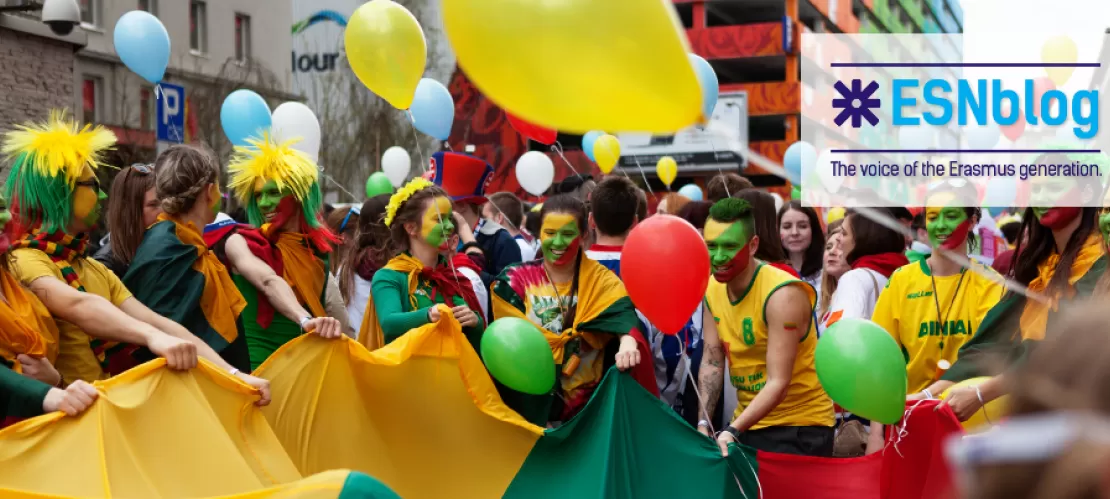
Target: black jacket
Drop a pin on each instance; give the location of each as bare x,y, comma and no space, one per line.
500,249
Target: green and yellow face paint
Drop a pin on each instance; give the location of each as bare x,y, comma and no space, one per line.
727,243
87,197
1103,226
560,238
436,225
947,224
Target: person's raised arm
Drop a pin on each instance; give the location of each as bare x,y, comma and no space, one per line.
97,317
276,290
711,373
788,315
136,309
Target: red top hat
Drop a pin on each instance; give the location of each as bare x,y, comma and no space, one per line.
464,177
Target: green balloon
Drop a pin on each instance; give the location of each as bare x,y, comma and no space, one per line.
377,184
796,192
863,370
517,355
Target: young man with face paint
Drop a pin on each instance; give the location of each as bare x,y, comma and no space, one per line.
55,196
933,306
1061,259
760,317
282,265
578,305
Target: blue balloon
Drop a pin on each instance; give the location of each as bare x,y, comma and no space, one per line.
710,89
799,156
691,191
244,115
1001,192
142,44
433,109
588,143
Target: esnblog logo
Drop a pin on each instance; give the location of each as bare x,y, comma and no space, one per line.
856,103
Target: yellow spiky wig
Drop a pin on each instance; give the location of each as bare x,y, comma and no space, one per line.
48,159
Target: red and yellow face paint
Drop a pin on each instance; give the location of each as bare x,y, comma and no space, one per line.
729,253
560,238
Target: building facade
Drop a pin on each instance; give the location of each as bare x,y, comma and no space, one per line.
39,68
217,46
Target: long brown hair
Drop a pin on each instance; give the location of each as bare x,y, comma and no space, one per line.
371,247
828,282
343,222
125,211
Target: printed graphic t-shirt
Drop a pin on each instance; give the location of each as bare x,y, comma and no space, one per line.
742,328
907,309
76,359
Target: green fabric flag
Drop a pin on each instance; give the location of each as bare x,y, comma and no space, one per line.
261,342
162,277
628,444
998,344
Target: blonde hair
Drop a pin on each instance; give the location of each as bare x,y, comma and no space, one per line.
183,173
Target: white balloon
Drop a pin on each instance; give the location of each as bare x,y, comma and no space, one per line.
396,164
778,201
535,172
916,137
293,120
825,172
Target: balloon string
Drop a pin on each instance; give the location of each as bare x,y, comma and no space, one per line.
439,216
557,147
647,183
340,186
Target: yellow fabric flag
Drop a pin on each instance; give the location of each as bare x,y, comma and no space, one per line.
420,414
370,332
154,433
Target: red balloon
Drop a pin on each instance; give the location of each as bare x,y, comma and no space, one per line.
537,133
1013,132
665,267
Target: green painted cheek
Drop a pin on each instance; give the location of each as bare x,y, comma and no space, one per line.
440,233
5,218
1103,227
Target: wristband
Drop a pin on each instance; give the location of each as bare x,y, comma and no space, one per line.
304,320
928,394
980,395
703,423
731,431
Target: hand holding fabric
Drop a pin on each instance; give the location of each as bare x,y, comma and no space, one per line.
326,327
465,316
39,368
74,400
629,354
964,402
179,354
723,439
434,314
263,387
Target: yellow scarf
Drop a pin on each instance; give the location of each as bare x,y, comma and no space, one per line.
370,332
26,326
220,301
301,269
1034,317
598,289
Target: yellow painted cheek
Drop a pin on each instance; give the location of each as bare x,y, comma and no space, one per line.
84,202
437,212
555,222
714,229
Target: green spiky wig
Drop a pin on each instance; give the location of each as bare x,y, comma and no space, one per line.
730,210
292,170
47,160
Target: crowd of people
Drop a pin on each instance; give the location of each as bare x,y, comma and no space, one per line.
179,279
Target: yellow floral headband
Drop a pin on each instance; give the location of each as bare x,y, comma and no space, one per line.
398,198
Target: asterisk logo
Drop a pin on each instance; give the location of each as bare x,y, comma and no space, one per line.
856,103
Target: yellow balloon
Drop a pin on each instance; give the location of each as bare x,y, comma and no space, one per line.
994,411
579,65
607,150
834,214
386,50
667,170
1059,49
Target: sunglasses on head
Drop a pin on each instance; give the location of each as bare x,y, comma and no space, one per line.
143,168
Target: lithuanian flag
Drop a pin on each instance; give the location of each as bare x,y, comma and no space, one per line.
422,416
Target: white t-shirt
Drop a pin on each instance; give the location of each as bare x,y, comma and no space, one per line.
480,291
527,250
855,296
357,307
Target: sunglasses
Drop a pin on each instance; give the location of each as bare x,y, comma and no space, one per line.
143,168
93,184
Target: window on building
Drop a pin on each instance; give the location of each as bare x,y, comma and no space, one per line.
147,110
149,6
198,26
92,99
90,12
242,37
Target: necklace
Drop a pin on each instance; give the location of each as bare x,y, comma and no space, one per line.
951,303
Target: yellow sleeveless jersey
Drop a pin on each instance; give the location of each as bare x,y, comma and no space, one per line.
907,309
742,328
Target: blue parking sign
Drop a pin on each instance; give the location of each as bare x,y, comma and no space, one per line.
171,113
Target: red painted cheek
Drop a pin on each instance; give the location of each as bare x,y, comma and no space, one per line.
958,236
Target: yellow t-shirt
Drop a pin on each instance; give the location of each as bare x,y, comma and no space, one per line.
75,357
742,328
907,309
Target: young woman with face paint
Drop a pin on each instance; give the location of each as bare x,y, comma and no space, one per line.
407,291
578,305
760,317
1060,257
